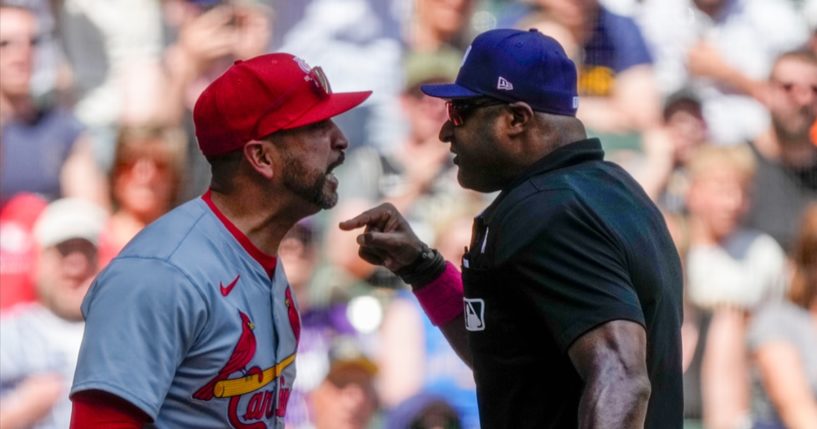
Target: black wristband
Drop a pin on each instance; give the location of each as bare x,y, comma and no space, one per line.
427,267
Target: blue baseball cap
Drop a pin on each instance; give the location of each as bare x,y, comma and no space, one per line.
515,65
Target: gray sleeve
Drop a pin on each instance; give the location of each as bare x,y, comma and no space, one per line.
771,323
142,315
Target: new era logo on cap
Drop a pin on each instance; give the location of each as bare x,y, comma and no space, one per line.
515,65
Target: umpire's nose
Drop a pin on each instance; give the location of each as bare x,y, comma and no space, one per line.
447,132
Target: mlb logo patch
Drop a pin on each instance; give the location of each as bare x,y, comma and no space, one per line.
474,314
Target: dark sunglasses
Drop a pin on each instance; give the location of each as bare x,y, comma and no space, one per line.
458,110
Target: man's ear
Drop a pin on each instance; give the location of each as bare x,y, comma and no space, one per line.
258,154
521,117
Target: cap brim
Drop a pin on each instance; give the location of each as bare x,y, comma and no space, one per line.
448,90
334,105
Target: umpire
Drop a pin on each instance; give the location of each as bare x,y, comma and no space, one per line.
568,307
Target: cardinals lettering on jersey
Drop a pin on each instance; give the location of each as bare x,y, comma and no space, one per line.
262,403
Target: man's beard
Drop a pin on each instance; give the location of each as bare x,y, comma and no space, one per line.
309,185
794,129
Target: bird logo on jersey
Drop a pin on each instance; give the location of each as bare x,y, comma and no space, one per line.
242,354
261,404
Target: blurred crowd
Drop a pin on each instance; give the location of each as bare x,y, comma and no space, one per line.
710,104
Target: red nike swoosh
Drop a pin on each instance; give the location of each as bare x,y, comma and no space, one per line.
225,290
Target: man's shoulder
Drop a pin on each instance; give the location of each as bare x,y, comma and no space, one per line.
182,227
188,247
185,241
582,183
550,194
544,194
526,212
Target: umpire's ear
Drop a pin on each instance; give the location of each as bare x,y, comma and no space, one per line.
520,115
259,155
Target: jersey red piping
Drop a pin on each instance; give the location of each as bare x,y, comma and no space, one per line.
266,261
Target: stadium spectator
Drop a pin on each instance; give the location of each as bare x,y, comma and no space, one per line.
423,411
783,340
730,270
41,340
727,264
666,150
346,397
114,51
437,24
145,182
723,49
44,149
786,153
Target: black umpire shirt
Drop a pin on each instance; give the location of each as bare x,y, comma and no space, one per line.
572,244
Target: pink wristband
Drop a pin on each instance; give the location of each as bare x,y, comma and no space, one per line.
442,298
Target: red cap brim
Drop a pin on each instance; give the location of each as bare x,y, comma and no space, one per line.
334,105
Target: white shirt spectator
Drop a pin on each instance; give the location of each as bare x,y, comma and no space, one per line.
747,269
748,34
35,341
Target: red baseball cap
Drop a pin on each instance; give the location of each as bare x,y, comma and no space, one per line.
262,95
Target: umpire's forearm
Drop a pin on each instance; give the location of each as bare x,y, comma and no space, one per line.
442,301
456,335
614,401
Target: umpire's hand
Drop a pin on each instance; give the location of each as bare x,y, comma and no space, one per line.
388,240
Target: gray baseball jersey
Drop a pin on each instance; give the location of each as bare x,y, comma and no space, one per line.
193,324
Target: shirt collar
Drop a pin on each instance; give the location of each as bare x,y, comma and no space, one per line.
268,262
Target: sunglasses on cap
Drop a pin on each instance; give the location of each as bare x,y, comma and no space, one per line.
458,110
320,84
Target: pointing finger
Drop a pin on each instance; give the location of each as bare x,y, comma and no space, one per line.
363,219
376,217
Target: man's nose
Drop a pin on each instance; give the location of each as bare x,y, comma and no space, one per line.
145,169
447,132
77,264
804,94
339,140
